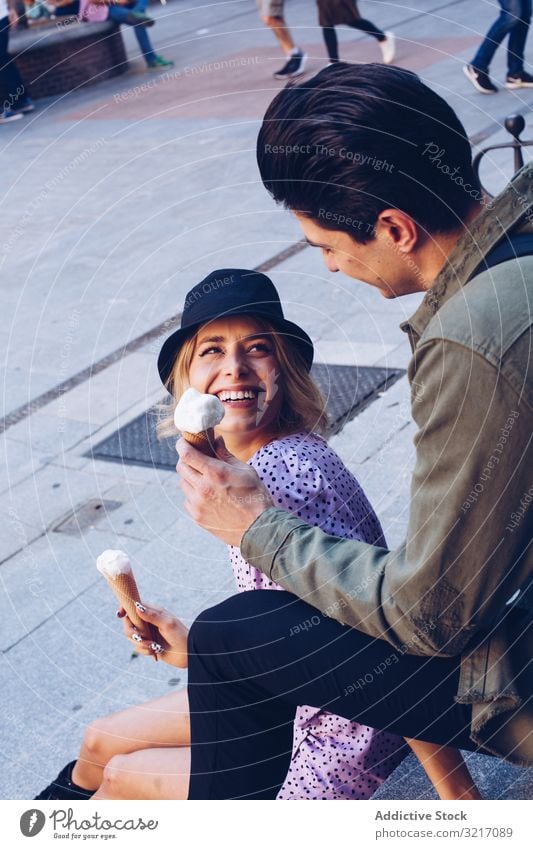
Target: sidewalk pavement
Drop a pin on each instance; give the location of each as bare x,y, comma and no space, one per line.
118,199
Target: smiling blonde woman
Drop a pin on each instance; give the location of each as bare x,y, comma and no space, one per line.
234,342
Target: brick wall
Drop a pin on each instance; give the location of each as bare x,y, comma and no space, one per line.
67,54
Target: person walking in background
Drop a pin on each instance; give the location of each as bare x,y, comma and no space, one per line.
14,98
129,12
331,13
125,12
271,12
514,20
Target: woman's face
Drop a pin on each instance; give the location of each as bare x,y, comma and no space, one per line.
236,361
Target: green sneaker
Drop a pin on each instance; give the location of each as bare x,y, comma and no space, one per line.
160,62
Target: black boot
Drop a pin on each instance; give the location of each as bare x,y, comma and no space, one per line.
64,788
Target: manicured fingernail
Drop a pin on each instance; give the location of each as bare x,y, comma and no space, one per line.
137,638
117,614
140,607
156,647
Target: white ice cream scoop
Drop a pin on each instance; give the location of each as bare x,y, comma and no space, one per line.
113,562
197,412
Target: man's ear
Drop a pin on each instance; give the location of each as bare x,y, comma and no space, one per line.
399,228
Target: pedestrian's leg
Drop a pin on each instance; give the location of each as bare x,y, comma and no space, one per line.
145,45
12,87
387,41
517,40
256,656
120,14
332,46
4,61
369,28
281,32
510,13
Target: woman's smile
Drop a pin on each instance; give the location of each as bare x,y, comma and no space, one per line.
240,397
235,359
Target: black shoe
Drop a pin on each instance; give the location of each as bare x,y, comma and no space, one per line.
64,788
480,80
522,80
24,106
294,66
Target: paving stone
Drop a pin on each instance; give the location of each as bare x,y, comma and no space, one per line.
47,575
494,778
48,437
52,493
17,462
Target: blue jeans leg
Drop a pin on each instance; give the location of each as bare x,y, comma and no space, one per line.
517,41
119,14
510,16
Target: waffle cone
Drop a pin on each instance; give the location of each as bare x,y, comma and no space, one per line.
126,593
203,441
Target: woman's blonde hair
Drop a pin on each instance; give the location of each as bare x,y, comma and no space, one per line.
302,408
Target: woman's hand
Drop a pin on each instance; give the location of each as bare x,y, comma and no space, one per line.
171,643
223,495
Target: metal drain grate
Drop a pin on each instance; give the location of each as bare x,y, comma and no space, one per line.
346,389
85,516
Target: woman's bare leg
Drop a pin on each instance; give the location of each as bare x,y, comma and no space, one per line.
446,769
147,774
162,722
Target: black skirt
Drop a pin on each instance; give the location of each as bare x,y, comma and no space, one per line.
334,12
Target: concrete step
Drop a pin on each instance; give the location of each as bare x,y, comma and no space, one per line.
496,779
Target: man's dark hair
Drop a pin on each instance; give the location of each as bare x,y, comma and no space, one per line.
357,139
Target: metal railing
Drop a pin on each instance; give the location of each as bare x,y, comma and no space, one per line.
514,124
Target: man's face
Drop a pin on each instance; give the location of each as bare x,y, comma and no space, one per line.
377,262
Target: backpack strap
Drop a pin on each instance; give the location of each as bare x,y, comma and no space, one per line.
511,248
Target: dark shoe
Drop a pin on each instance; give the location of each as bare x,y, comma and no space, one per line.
64,788
523,80
294,66
24,106
8,115
136,19
479,79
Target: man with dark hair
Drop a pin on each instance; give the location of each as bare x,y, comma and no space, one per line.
377,169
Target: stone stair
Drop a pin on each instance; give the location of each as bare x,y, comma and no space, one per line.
496,779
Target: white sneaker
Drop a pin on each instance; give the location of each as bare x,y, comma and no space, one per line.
388,47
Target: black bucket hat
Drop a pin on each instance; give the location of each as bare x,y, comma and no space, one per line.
226,292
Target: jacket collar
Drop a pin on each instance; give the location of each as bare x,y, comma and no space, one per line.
497,218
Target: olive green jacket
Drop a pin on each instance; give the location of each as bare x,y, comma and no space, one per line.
458,585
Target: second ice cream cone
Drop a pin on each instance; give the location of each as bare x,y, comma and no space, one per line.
126,593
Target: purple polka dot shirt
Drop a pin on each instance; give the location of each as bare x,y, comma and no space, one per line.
332,757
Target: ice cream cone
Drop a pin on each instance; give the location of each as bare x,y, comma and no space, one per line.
126,593
203,441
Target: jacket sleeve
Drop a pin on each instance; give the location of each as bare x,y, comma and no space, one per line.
455,570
